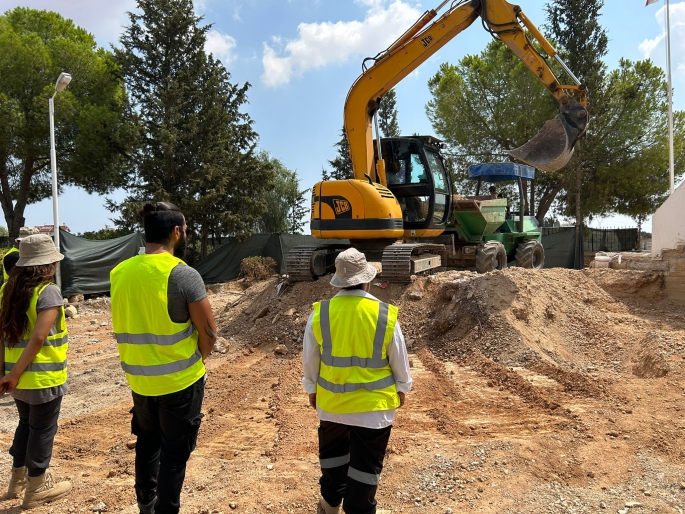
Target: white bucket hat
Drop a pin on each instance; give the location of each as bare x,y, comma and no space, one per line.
37,250
351,269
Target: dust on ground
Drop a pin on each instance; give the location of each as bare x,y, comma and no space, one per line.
552,391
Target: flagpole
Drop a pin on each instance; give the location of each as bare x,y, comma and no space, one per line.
670,99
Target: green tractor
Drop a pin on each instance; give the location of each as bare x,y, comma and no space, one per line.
486,234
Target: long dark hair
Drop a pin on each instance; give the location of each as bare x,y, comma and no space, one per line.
16,299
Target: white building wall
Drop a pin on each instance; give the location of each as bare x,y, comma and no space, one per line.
668,223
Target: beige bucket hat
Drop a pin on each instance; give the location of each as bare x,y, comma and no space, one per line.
36,250
352,269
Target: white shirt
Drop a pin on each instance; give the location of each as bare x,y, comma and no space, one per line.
397,358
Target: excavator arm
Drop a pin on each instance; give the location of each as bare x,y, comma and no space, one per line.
550,150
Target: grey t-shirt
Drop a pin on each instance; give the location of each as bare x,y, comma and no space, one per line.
185,286
50,297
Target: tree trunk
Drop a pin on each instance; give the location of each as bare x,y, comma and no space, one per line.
205,235
579,216
14,211
547,200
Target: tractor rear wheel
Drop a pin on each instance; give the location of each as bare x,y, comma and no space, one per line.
530,254
491,256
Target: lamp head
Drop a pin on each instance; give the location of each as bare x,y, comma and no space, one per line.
62,82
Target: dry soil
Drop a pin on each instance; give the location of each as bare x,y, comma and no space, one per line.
534,392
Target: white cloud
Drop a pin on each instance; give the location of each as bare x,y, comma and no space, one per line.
221,45
649,47
325,43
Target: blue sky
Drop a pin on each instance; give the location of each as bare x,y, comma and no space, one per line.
301,56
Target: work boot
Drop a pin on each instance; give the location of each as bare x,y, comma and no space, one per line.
43,489
17,483
324,508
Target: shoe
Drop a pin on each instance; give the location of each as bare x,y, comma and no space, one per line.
324,508
43,489
17,484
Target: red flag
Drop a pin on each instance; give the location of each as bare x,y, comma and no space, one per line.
651,2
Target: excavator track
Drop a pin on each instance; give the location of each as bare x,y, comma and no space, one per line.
301,263
399,262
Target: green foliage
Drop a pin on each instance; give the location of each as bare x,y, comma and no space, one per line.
4,232
198,148
490,103
574,25
625,160
257,268
342,163
286,204
92,116
487,104
105,233
387,115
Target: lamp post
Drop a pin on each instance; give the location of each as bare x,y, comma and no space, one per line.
62,82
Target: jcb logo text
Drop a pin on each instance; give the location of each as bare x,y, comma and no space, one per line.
341,206
425,41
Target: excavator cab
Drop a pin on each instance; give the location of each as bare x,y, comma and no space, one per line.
417,177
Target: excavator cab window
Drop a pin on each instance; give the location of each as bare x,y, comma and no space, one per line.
442,191
417,178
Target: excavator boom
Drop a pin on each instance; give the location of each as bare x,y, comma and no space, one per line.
550,150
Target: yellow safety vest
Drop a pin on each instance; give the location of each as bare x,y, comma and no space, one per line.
49,367
4,273
353,333
158,356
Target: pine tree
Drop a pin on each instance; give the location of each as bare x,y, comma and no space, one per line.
286,204
198,148
584,43
93,132
387,115
342,164
297,214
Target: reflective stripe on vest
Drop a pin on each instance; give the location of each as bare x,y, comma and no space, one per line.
353,333
49,366
376,361
4,272
158,355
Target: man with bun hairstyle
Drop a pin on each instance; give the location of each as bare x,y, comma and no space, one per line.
356,373
165,329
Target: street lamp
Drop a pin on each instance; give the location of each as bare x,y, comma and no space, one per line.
62,82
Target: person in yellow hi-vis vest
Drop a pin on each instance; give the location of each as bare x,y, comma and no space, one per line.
165,329
35,339
356,372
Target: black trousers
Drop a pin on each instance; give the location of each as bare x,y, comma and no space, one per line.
167,428
351,461
35,435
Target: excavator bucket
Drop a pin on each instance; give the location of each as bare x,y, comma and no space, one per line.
552,147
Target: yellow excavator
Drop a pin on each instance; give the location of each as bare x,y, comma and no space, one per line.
396,212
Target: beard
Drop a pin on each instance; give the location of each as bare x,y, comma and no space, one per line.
180,246
181,241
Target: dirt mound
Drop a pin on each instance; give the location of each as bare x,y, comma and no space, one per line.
648,285
517,317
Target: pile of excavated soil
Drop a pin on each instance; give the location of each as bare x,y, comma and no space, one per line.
517,317
550,391
564,321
